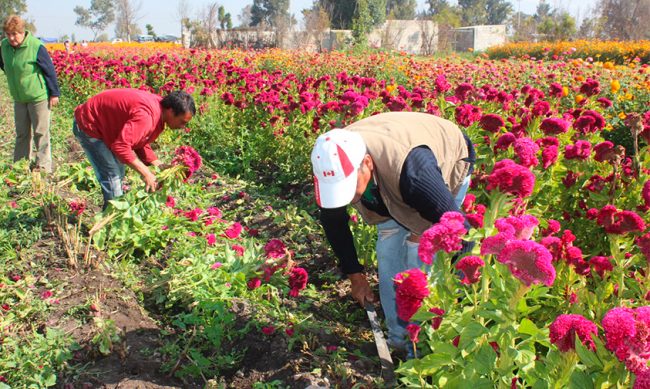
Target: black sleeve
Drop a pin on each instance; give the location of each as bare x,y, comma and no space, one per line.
337,230
423,188
45,63
2,63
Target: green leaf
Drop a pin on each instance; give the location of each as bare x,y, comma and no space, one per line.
485,359
470,333
588,357
528,327
119,205
580,380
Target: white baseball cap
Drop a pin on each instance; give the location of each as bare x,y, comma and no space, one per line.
336,157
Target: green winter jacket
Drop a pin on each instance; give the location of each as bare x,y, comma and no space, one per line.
25,77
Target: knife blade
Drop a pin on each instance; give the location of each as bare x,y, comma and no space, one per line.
387,366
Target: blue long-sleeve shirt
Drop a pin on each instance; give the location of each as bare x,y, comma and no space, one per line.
422,187
44,61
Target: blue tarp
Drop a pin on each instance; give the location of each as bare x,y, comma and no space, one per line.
45,39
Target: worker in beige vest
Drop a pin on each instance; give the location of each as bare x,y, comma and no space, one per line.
401,171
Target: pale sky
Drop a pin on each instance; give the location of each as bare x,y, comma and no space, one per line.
54,18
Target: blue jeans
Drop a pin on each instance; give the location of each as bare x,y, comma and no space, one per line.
396,254
108,169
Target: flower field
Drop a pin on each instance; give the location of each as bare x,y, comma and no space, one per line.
229,259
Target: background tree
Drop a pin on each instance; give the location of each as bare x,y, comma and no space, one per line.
558,26
377,10
100,14
127,16
150,30
225,21
498,11
361,24
401,9
481,12
11,7
245,16
341,12
269,12
204,27
624,19
316,21
447,17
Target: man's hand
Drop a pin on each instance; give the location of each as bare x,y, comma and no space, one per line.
54,100
151,185
361,291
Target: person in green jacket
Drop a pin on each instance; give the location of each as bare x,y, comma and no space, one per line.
34,88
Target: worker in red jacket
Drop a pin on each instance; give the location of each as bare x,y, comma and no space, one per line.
117,126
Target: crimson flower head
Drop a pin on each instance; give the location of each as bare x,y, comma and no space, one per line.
413,331
411,287
233,231
619,222
268,330
627,335
600,265
297,281
274,248
492,122
526,151
188,157
529,261
644,245
505,141
521,227
446,235
77,207
470,266
467,114
564,329
254,283
580,150
437,320
554,126
509,177
645,193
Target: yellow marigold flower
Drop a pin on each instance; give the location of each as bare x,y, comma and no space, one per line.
579,98
622,115
609,65
391,88
615,85
629,96
580,78
565,91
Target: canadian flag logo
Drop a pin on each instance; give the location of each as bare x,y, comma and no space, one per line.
329,173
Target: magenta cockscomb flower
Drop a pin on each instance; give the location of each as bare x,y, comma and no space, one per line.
526,151
645,193
601,264
521,227
238,249
268,330
447,235
190,158
233,231
627,335
171,202
505,141
529,261
470,266
413,331
467,114
254,283
509,177
411,287
554,126
564,329
579,150
619,222
274,248
211,239
492,122
297,281
436,320
77,207
495,243
642,380
643,242
549,156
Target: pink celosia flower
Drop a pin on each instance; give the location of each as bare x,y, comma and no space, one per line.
190,158
216,265
446,235
46,294
554,126
297,281
645,193
254,283
526,150
436,320
411,288
619,222
171,202
274,248
268,330
627,334
529,261
289,330
492,122
214,211
238,249
642,380
467,114
494,244
604,151
590,87
211,238
504,141
521,227
509,177
413,331
600,265
589,122
553,227
580,150
77,207
644,245
470,266
549,156
564,329
233,231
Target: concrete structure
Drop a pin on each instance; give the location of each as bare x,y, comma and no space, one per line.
478,38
